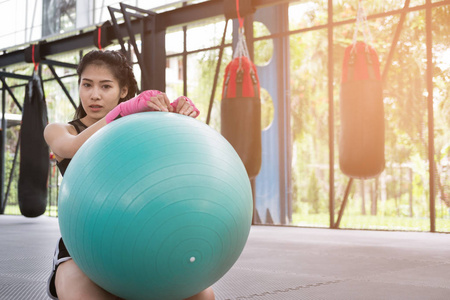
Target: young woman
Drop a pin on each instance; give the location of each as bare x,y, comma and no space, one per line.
106,88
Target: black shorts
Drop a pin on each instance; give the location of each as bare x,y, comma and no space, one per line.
61,255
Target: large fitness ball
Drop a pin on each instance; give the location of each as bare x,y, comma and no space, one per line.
155,206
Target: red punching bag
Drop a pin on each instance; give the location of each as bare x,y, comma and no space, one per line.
241,108
361,143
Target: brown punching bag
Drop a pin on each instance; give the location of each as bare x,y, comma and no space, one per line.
241,110
361,142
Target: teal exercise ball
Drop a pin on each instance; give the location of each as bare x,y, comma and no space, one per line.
155,206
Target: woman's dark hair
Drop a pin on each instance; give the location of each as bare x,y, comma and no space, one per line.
119,66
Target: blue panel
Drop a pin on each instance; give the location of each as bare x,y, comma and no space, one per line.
268,180
268,185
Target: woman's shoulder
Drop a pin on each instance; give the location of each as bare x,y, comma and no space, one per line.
59,128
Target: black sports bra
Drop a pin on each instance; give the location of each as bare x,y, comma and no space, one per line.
79,127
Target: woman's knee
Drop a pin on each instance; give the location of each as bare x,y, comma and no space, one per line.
72,283
207,294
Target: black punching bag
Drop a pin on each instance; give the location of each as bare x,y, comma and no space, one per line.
34,152
361,143
241,112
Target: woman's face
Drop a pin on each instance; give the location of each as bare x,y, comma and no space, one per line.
99,92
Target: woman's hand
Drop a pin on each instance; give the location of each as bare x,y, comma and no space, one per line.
184,106
150,100
158,102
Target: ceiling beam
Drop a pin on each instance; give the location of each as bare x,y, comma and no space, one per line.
183,15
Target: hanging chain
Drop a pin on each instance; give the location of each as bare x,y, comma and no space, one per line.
361,20
241,45
241,48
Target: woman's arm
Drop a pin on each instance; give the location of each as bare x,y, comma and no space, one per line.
64,140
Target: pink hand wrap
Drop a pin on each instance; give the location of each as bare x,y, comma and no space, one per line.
174,104
132,106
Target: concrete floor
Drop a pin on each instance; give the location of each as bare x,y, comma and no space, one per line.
277,263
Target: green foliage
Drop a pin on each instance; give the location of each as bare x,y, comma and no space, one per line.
264,47
313,193
405,98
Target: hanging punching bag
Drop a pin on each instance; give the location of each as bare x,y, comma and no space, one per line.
361,143
241,109
34,152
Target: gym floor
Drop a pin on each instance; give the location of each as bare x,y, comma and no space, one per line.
277,263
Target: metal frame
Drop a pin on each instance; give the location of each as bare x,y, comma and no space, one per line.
58,79
147,20
179,16
331,112
10,92
2,151
432,165
6,88
216,74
